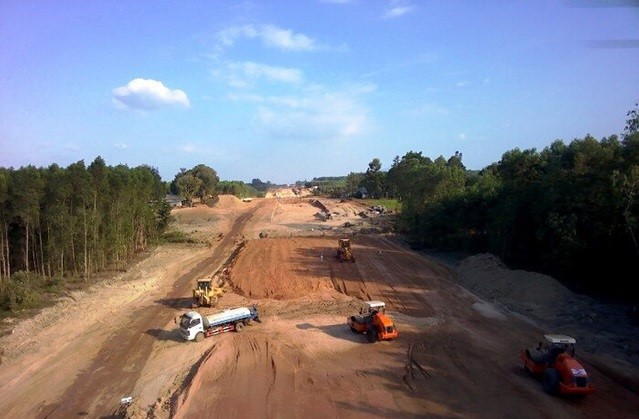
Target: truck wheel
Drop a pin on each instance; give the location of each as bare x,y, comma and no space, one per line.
199,337
371,335
353,329
551,381
239,326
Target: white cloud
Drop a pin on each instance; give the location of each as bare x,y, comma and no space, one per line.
120,146
281,74
147,94
462,83
211,149
227,36
462,136
429,109
248,97
270,35
245,74
189,148
398,8
286,39
318,115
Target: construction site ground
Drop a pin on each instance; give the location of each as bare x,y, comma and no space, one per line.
114,350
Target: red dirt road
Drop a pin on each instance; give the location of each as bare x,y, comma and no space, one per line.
456,356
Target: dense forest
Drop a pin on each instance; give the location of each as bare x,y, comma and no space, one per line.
58,223
569,210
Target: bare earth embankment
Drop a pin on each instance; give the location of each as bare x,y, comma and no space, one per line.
461,328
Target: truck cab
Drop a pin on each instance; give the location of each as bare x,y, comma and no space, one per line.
191,324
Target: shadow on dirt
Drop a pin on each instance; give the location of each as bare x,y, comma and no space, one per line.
165,335
178,303
340,331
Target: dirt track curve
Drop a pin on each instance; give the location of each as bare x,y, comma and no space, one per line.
456,357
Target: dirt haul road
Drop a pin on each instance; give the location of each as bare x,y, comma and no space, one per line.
457,355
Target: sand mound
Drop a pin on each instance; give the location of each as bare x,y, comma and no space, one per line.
228,202
486,275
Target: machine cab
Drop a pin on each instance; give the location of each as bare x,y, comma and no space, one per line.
204,284
370,307
558,344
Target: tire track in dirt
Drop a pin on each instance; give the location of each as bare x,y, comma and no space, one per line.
276,375
98,389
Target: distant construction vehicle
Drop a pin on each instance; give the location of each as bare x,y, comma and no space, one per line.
207,292
344,252
373,322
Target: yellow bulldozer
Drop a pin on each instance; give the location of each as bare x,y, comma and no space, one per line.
344,252
207,292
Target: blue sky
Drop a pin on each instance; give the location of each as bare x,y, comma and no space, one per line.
291,90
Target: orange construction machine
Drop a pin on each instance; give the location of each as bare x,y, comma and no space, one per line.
373,322
553,361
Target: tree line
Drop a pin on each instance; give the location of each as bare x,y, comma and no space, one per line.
58,222
570,210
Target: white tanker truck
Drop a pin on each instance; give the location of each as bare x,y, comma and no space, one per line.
194,326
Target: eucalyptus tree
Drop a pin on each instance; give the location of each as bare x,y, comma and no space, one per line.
147,205
81,200
123,194
25,189
56,219
100,202
5,267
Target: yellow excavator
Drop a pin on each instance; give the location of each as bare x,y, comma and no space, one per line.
207,292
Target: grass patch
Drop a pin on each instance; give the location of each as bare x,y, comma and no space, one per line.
28,291
175,236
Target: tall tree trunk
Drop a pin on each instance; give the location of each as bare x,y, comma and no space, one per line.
2,260
49,253
74,265
44,275
86,247
26,248
6,242
34,253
